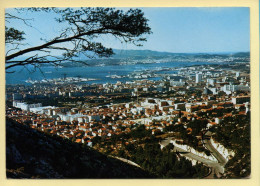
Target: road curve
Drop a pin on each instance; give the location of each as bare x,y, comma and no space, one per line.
214,152
217,167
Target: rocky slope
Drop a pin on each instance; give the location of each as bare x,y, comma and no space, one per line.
33,154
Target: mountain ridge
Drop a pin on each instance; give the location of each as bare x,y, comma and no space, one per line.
122,53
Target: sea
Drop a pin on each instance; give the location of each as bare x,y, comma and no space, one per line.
101,73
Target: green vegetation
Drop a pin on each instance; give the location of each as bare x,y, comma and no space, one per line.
143,148
234,134
196,128
165,163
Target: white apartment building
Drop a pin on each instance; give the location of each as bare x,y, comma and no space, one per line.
198,78
25,106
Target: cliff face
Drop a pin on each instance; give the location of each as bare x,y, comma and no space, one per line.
32,154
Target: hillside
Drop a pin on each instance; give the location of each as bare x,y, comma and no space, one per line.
122,54
33,154
141,56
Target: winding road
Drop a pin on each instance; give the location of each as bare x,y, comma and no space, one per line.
216,167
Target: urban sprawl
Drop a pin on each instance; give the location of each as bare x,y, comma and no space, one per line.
84,112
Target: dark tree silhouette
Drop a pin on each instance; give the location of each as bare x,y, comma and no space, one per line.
83,25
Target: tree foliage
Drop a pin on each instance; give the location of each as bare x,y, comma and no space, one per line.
144,149
234,134
83,25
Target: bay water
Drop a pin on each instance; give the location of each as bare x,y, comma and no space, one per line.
22,74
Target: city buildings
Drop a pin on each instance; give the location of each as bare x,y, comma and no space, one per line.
155,104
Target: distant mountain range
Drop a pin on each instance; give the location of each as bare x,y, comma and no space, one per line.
147,53
132,56
149,56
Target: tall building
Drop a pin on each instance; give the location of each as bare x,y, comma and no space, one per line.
198,78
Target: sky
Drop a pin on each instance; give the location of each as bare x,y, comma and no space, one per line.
177,30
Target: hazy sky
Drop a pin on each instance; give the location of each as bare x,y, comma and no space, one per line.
174,30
